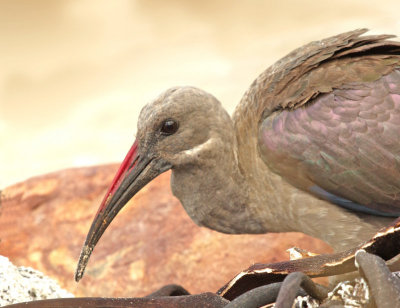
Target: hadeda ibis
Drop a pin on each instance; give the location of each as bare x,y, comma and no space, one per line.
313,146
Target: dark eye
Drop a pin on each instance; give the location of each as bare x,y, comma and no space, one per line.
169,127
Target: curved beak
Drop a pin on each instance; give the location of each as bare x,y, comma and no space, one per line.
133,174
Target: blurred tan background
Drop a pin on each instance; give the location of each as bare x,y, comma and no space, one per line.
75,74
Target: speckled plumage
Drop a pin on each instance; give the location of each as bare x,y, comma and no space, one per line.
313,146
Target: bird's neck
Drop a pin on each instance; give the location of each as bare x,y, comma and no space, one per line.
214,192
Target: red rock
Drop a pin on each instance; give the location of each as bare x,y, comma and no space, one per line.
152,242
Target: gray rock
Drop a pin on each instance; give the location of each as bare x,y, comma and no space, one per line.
22,284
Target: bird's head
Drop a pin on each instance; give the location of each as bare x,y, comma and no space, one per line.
174,131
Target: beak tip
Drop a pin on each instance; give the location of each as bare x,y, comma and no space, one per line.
83,260
78,274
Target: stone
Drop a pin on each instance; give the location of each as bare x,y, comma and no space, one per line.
151,243
23,284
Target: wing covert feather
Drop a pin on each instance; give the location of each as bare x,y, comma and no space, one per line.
341,145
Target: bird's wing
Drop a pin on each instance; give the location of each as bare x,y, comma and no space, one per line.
308,73
329,120
344,145
327,117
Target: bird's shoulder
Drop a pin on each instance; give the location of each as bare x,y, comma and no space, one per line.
320,66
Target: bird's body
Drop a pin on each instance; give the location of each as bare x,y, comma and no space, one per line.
313,146
315,122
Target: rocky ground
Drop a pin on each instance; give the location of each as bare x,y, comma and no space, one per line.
23,284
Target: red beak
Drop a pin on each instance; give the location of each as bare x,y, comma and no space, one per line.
127,165
133,174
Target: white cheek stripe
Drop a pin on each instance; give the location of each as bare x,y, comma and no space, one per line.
198,148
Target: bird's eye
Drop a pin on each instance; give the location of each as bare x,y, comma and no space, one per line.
169,127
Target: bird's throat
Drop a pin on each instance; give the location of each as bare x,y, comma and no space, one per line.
216,198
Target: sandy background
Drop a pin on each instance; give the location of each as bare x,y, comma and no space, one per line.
75,74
